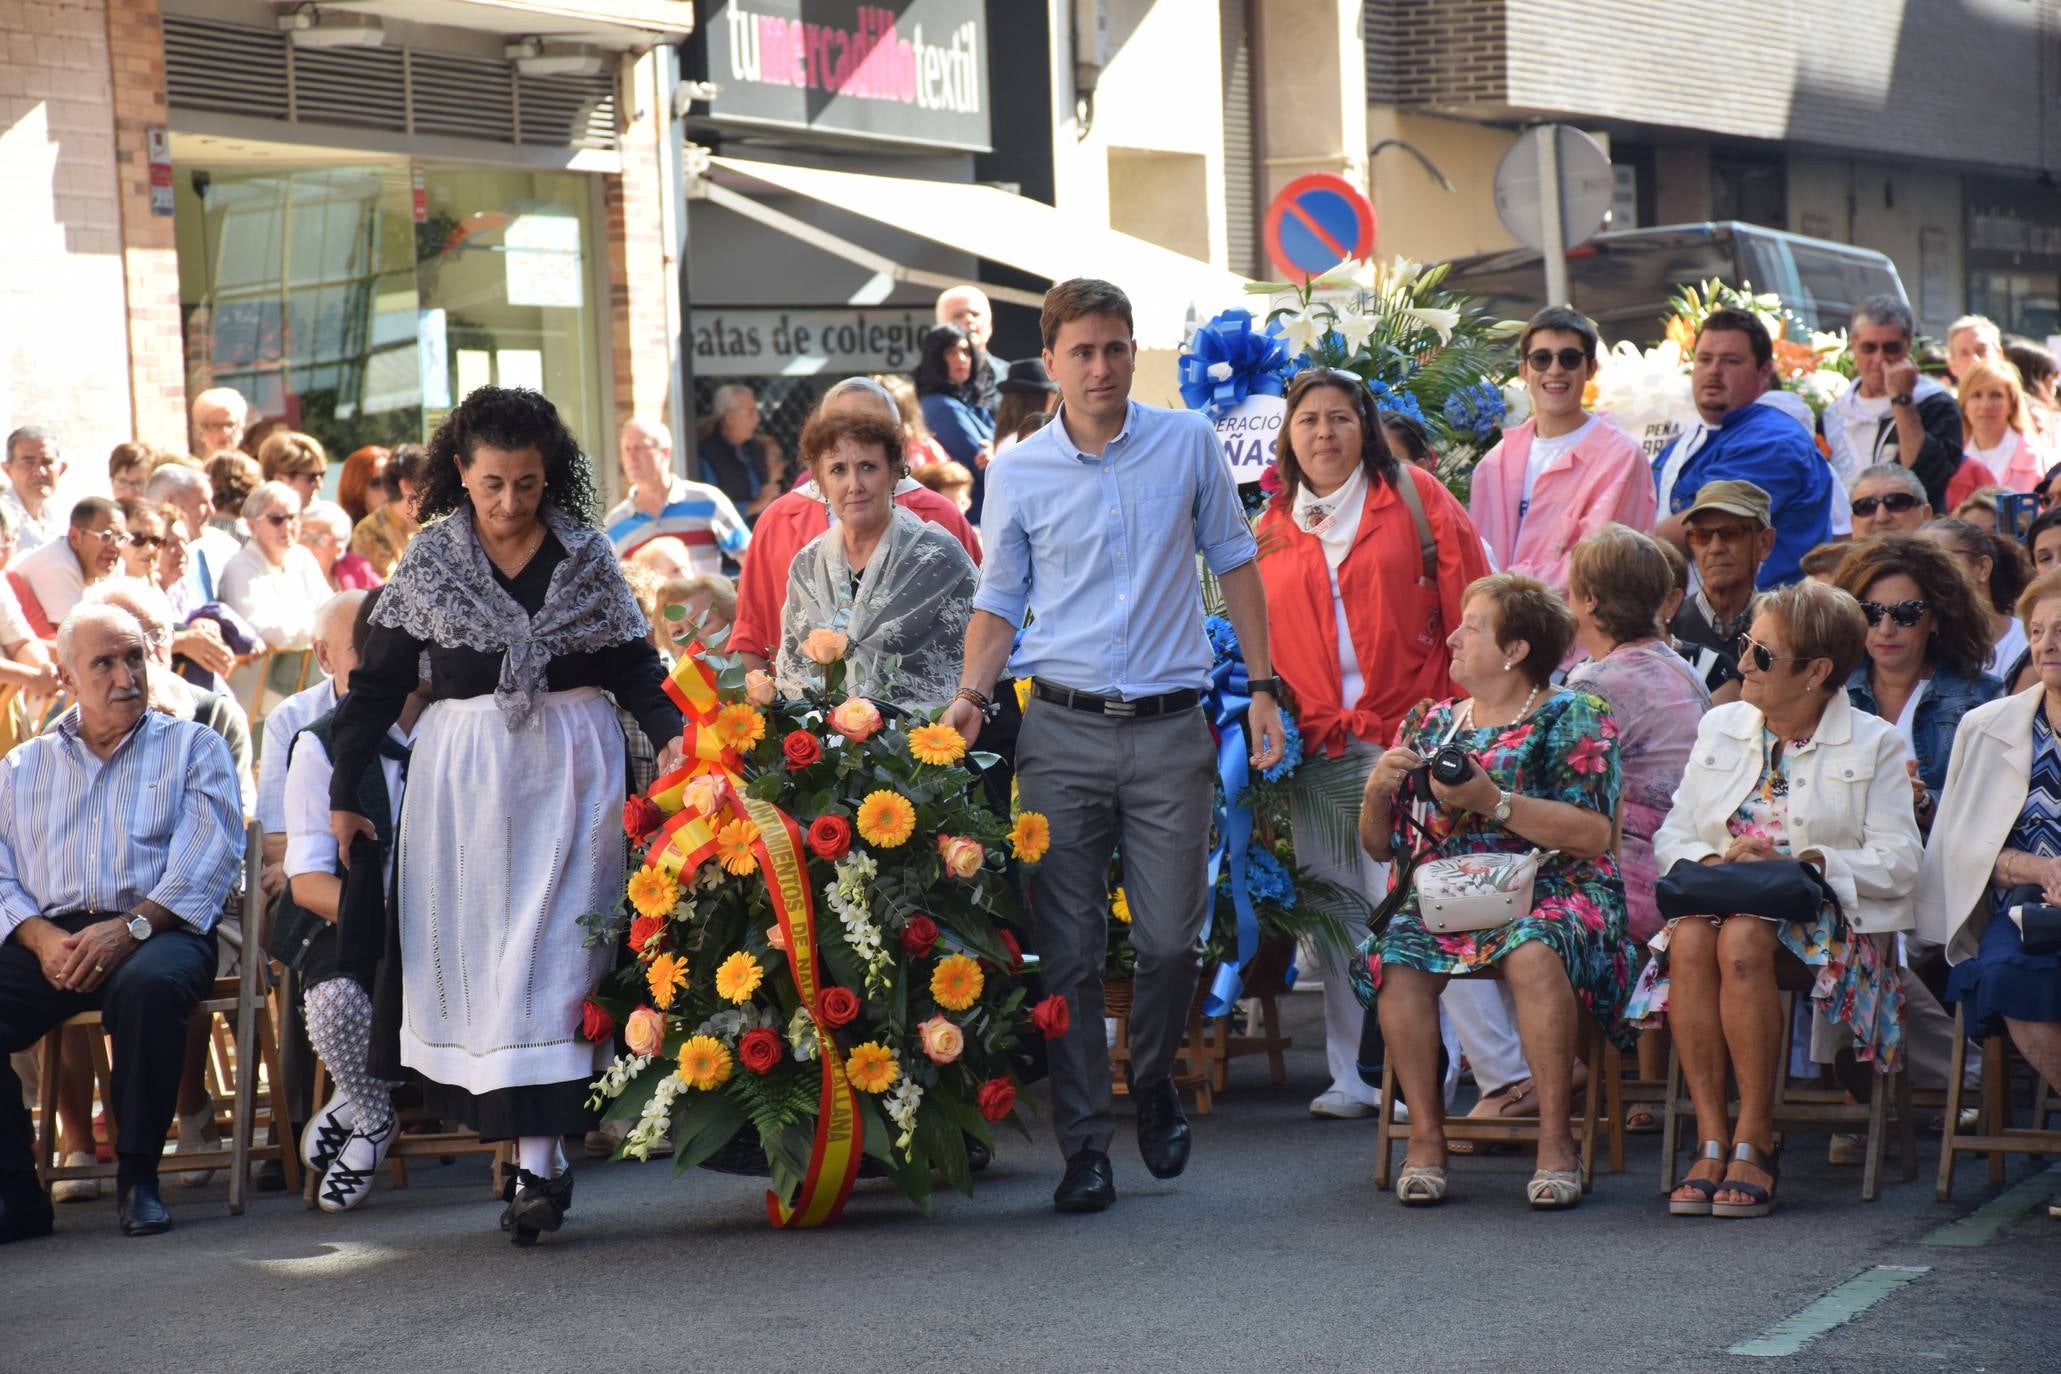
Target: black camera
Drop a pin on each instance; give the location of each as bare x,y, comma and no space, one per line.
1450,765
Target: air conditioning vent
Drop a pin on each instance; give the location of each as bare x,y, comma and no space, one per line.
361,87
465,97
569,111
227,68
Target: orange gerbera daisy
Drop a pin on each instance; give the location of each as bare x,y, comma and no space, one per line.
872,1067
1030,837
667,975
886,819
956,982
705,1062
936,744
739,977
739,727
733,847
653,891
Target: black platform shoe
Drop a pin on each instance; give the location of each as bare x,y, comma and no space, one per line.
539,1205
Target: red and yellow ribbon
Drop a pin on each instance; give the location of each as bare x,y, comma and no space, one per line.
834,1159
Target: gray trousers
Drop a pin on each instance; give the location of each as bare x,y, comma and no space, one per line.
1103,781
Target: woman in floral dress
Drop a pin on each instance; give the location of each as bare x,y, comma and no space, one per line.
1545,777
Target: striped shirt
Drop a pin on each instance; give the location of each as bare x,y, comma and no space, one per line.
159,820
698,515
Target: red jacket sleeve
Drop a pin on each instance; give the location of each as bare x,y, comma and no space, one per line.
939,509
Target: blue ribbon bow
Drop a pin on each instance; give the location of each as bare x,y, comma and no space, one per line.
1228,362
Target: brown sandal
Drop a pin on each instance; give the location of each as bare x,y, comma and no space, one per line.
1493,1104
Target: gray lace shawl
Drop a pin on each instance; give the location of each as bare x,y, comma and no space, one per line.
444,591
906,621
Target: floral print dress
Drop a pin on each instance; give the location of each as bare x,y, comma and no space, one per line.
1565,751
1855,987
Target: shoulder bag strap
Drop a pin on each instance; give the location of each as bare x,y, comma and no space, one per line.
1427,546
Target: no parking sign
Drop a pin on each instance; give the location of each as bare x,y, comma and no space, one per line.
1317,222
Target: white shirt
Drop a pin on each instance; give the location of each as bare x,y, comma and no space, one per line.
30,533
213,550
1908,718
53,576
279,602
1544,452
1352,684
2010,644
286,720
310,846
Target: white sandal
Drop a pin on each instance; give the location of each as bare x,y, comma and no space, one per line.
1421,1185
1553,1190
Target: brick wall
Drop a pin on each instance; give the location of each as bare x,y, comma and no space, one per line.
1914,78
636,273
157,369
64,338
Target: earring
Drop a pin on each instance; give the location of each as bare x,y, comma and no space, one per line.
1507,665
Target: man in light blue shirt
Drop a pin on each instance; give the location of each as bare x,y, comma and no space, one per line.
1092,526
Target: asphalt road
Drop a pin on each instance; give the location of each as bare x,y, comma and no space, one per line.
1272,1252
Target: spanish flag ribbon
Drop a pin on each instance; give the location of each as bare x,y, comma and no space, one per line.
834,1158
692,686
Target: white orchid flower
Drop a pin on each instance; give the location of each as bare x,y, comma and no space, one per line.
1434,317
1302,330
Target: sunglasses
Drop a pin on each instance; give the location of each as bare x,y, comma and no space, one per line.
277,519
1765,658
1894,349
106,536
1896,503
1703,536
1570,359
1904,614
146,541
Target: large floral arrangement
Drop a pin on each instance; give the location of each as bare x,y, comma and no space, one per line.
823,957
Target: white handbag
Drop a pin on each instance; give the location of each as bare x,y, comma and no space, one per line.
1477,891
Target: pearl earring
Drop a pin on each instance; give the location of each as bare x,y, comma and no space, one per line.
1506,665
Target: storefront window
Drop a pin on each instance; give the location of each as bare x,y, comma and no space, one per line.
360,303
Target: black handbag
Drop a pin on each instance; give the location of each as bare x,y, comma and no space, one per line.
2039,925
1775,889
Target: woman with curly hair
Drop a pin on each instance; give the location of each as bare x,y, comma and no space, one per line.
517,781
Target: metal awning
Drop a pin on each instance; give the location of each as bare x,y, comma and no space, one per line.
1167,289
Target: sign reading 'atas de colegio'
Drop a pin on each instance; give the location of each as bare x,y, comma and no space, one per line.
907,71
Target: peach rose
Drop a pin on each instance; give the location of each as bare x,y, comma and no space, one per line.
825,646
942,1041
645,1031
856,718
963,857
758,687
704,794
776,937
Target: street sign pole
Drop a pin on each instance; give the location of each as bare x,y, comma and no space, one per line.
1552,228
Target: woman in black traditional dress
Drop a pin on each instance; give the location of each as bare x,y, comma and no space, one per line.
511,830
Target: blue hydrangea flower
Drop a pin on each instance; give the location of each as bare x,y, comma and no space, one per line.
1477,409
1222,637
1393,398
1266,880
1291,751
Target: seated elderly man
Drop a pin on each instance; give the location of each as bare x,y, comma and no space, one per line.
119,842
53,579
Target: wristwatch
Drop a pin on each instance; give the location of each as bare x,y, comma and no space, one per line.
1500,813
139,927
1902,398
1270,685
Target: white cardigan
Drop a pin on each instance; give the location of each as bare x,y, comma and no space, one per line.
1849,806
1985,790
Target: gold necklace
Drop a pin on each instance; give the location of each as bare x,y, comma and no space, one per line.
522,562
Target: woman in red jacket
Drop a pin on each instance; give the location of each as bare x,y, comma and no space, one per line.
1363,586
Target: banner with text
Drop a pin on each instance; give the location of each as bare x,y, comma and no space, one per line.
912,71
802,343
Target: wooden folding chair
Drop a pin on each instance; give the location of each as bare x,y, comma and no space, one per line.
1807,1109
1514,1130
1191,1060
1994,1134
1265,982
247,1000
424,1144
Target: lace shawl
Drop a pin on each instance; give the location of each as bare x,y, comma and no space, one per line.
906,621
444,591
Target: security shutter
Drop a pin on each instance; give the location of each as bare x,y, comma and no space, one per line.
1240,212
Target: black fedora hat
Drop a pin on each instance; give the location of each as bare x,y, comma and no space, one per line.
1028,375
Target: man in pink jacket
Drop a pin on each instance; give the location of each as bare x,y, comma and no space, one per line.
1563,473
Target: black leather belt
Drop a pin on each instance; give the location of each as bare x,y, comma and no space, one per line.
1143,708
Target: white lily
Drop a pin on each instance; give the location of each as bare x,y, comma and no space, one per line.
1347,273
1402,271
1435,317
1303,330
1355,329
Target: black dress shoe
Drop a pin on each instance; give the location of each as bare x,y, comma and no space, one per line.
143,1212
1089,1185
539,1205
25,1211
270,1177
1162,1128
978,1156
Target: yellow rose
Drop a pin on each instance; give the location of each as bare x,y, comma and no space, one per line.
645,1031
963,857
942,1041
758,688
856,718
825,646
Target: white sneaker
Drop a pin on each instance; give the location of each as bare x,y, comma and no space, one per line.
1845,1149
197,1133
1341,1106
322,1139
350,1178
76,1189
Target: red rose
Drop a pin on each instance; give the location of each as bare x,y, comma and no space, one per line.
830,837
759,1050
1008,939
643,930
837,1006
801,749
595,1023
996,1099
919,937
641,816
1052,1017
